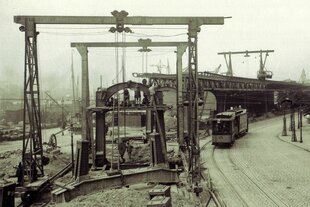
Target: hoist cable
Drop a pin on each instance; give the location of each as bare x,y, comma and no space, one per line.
124,79
124,57
146,54
113,138
117,98
142,61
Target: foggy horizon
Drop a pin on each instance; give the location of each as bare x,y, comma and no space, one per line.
275,25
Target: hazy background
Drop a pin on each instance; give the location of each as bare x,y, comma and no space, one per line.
267,24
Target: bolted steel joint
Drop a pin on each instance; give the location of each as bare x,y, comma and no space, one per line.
193,29
22,28
120,22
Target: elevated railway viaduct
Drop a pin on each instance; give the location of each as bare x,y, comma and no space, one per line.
258,96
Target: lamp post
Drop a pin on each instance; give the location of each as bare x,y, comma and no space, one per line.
286,104
293,125
284,131
300,125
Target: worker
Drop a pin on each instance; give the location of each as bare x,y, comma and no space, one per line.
19,173
34,175
138,95
106,129
152,92
208,127
129,149
126,97
145,100
111,101
122,150
144,81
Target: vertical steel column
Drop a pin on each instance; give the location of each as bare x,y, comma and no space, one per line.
85,88
101,131
229,72
32,137
194,162
73,87
82,154
179,101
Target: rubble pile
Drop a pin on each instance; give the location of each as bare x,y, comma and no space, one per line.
123,197
9,161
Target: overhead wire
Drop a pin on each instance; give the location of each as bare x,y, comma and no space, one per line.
74,33
146,61
137,34
132,27
142,53
155,35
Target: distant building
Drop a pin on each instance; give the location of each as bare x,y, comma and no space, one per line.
14,116
303,78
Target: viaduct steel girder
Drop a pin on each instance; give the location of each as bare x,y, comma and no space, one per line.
206,82
211,81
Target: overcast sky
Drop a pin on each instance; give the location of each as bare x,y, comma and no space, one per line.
281,25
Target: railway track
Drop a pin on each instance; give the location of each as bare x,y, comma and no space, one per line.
247,178
228,182
259,185
239,181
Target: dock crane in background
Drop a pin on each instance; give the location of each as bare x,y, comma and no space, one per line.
64,112
262,73
217,69
161,66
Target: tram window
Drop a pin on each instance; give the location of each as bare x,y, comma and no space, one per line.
223,127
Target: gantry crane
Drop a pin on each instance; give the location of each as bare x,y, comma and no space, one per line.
262,73
32,142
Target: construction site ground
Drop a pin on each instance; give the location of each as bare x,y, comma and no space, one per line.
135,195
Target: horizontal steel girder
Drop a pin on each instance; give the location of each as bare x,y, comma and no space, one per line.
134,20
107,182
128,44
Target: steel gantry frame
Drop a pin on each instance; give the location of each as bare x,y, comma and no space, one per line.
82,47
193,24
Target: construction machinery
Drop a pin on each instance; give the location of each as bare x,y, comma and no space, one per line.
32,157
262,73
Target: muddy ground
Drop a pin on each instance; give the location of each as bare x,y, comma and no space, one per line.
133,196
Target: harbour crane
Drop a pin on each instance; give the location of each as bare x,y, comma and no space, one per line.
262,73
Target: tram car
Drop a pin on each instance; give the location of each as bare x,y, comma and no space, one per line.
229,125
